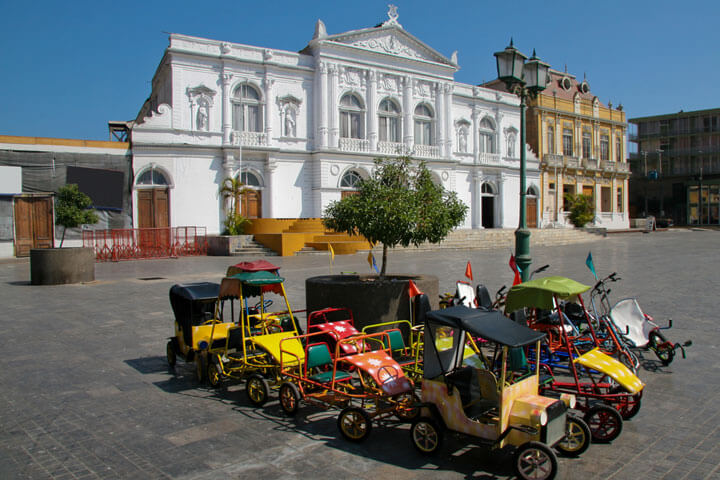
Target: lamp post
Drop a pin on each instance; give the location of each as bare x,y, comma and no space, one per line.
526,79
660,181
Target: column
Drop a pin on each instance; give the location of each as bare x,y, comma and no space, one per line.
227,166
321,101
226,107
268,107
269,191
333,106
500,204
476,199
408,124
440,117
448,120
475,137
372,118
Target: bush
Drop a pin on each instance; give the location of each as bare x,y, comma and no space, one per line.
72,209
235,224
581,208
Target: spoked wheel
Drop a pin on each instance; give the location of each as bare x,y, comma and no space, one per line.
200,361
257,389
629,359
536,461
605,423
354,424
664,351
289,398
427,435
214,375
405,409
171,355
628,406
577,437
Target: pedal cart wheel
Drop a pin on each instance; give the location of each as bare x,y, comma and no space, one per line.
659,345
577,437
257,390
605,423
214,375
628,406
427,436
354,424
535,460
405,410
289,398
171,356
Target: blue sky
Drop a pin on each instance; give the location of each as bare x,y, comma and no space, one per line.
66,68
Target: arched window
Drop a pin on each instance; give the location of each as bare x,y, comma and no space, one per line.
487,189
389,121
351,179
152,176
487,136
531,191
351,117
550,139
249,179
424,125
247,114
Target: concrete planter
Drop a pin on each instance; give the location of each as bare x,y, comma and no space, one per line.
55,266
370,299
224,245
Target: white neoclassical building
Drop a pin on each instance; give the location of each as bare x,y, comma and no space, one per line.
302,128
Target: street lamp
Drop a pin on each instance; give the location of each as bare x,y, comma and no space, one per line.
526,79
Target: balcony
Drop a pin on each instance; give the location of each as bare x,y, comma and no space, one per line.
485,158
608,165
248,139
622,167
391,148
427,151
571,162
553,160
590,163
354,145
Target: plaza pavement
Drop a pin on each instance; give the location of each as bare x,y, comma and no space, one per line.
85,391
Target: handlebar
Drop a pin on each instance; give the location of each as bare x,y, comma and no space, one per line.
610,278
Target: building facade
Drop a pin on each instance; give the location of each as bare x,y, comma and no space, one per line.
300,129
676,170
581,144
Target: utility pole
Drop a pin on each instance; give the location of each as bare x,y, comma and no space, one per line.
662,198
644,153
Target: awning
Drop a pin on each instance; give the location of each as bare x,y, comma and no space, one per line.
539,293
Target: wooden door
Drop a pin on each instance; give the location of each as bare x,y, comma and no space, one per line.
251,204
33,224
153,208
531,205
348,193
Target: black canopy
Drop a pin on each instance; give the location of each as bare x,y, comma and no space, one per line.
191,302
196,291
488,324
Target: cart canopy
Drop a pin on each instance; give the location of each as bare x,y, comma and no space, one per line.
191,302
491,325
253,283
256,266
539,293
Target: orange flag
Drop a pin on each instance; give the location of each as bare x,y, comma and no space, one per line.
413,290
468,271
513,266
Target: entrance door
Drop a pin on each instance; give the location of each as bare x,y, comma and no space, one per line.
251,204
33,224
488,212
153,208
531,206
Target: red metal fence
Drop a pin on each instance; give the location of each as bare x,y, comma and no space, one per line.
137,243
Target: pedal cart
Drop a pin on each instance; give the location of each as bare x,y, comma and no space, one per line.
607,390
335,324
496,405
365,385
251,348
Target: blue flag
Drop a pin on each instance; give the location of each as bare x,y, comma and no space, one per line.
371,261
591,265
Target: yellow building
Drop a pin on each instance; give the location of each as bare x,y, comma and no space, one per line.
581,144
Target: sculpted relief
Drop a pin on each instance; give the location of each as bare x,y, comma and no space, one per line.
392,45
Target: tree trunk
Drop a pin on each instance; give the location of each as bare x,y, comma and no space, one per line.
384,262
62,239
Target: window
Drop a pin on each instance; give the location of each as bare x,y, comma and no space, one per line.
618,148
389,119
620,200
351,179
586,144
246,109
487,189
151,177
604,146
567,189
605,199
351,117
550,139
567,142
487,136
423,125
249,179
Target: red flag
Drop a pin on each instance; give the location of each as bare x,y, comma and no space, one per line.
513,266
468,271
413,290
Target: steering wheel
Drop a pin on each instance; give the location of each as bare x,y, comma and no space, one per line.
391,374
269,323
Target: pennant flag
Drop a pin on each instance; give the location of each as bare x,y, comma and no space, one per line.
413,290
513,266
468,271
332,253
371,261
591,265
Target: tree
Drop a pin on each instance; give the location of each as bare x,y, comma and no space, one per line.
72,209
398,205
232,189
581,209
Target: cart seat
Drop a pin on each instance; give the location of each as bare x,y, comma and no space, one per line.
397,346
318,358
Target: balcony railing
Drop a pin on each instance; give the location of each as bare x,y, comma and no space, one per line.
486,158
608,165
391,148
248,139
590,163
571,162
354,145
427,151
622,167
553,160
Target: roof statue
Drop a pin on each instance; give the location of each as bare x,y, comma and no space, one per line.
320,30
392,16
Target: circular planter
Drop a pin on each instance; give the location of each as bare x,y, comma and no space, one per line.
55,266
371,300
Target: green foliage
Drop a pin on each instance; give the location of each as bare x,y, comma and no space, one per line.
398,205
581,208
72,209
235,224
